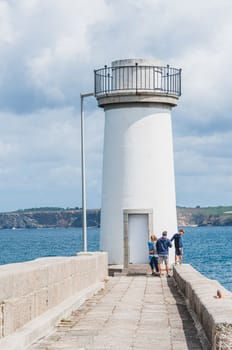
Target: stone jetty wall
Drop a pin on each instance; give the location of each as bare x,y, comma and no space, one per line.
31,289
211,303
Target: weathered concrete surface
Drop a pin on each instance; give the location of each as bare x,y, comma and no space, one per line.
45,288
215,314
42,325
136,312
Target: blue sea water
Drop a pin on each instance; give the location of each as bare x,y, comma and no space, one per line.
208,249
28,244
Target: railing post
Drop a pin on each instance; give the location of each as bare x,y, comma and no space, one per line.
95,82
109,86
180,70
105,78
136,77
167,78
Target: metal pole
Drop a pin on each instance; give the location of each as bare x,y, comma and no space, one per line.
84,225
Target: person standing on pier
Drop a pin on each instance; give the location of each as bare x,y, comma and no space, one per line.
162,245
153,255
177,237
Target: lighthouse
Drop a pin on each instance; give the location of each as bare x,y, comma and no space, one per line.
138,184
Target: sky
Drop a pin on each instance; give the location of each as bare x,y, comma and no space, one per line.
48,51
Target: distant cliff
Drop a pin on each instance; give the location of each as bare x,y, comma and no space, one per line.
207,216
48,218
59,217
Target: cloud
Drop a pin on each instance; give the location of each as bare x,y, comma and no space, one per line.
40,156
203,169
48,51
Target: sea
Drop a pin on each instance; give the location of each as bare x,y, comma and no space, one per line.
208,249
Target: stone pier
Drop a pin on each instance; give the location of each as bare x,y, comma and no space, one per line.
210,302
132,312
70,303
35,295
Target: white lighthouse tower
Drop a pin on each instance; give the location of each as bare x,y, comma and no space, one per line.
138,188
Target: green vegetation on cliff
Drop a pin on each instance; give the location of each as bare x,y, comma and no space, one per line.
39,218
44,209
215,216
72,217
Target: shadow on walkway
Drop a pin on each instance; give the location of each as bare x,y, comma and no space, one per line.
195,337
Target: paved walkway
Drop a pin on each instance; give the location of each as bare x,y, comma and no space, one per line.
137,312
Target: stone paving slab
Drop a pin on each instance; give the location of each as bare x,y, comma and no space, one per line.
132,313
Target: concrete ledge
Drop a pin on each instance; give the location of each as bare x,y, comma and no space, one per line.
42,325
125,97
215,314
31,289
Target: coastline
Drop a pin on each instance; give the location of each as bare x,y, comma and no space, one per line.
65,218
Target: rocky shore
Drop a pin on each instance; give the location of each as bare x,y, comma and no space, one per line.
50,218
211,216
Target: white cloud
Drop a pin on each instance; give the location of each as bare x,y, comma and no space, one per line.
48,50
203,169
6,31
40,153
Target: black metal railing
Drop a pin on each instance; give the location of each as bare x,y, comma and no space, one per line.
157,79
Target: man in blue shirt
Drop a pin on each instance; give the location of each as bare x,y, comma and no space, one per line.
162,245
177,237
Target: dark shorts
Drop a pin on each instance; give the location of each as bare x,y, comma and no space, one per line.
179,251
